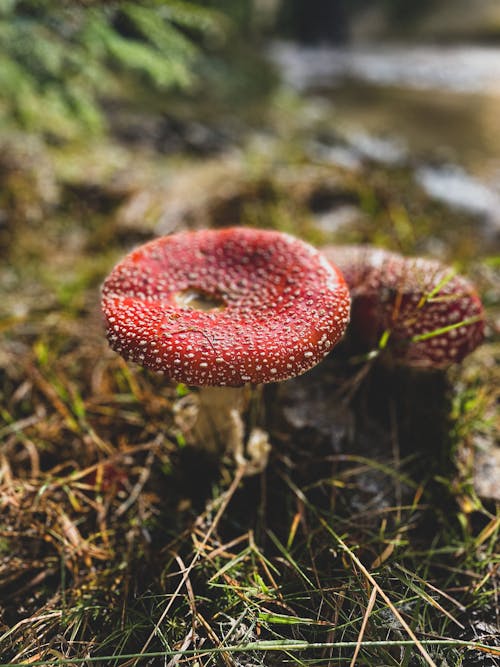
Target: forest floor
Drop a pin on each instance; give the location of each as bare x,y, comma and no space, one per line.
372,535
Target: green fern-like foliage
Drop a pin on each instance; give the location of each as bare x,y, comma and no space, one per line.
58,60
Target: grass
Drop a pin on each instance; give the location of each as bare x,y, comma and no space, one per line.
363,542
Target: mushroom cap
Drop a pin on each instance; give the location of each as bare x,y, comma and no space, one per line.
278,306
433,317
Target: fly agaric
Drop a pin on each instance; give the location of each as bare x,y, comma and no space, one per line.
421,310
214,308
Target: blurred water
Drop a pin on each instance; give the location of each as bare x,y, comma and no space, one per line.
469,69
436,109
452,185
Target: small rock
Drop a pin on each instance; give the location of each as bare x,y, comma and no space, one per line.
487,473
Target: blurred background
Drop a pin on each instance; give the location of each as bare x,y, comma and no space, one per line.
409,81
383,81
387,82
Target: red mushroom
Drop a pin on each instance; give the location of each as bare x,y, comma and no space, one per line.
225,307
420,309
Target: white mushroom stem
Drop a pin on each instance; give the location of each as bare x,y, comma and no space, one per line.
219,422
219,427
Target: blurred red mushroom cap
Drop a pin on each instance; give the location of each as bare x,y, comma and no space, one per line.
267,306
432,316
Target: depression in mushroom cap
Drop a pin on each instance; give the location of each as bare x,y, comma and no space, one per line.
225,307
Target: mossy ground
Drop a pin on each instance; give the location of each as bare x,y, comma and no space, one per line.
364,533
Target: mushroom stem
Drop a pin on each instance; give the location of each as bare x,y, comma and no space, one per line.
219,427
219,420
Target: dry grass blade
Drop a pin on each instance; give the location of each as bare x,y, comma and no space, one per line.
227,659
143,478
369,608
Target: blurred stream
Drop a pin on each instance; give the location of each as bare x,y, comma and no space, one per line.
435,109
